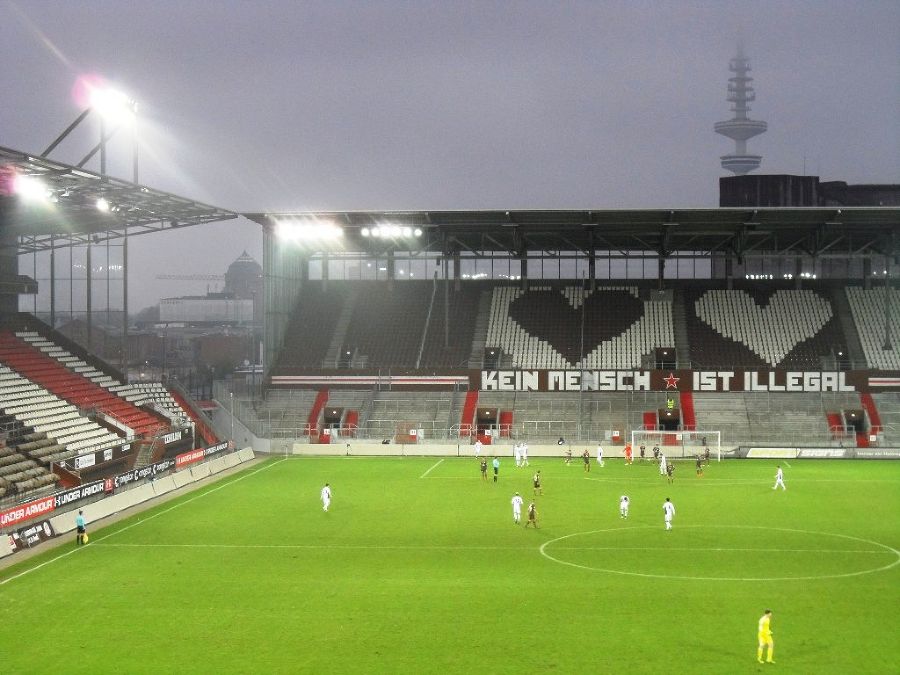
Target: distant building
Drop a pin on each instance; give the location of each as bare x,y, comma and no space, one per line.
787,190
240,303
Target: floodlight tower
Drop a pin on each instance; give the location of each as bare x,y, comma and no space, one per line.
740,127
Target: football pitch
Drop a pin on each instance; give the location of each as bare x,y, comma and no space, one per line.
418,568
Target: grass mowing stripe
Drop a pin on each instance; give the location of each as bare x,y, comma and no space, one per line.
142,520
432,468
348,547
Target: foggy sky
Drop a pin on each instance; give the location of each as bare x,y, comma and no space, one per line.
267,106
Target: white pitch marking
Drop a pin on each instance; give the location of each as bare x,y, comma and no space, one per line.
431,469
726,550
142,520
787,465
542,550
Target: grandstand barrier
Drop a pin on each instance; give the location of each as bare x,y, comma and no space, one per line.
163,485
217,465
461,449
6,546
110,504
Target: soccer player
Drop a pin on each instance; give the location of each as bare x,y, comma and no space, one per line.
662,464
779,479
643,451
532,516
483,468
600,454
623,506
536,479
628,453
517,502
669,511
569,455
670,472
80,528
656,452
326,497
699,466
765,638
478,447
524,451
517,453
586,456
496,464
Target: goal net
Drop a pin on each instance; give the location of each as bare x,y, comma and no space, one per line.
678,443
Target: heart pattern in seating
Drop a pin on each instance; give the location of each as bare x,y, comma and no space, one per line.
770,331
550,316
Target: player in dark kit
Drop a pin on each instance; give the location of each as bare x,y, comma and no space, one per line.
699,465
532,516
643,450
670,471
537,483
483,469
586,456
656,452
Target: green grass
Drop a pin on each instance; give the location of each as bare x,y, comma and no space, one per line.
412,574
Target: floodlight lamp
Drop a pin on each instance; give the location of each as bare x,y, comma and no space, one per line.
364,232
102,205
418,232
31,188
113,105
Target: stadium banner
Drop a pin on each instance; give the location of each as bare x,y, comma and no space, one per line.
771,453
190,457
401,379
149,471
822,453
93,458
26,537
877,453
81,492
758,380
27,511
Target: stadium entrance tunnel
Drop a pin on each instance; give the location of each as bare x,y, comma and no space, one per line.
721,553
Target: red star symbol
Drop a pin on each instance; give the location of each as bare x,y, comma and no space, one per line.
671,381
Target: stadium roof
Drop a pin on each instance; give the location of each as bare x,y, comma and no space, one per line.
71,216
739,231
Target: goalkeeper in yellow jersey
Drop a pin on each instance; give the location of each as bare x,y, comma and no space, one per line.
765,638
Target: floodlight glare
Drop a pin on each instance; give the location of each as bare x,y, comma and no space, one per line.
407,232
418,232
31,188
102,205
364,232
113,105
376,232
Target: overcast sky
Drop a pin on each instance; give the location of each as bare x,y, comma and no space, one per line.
267,106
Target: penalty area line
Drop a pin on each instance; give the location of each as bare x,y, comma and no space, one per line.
436,465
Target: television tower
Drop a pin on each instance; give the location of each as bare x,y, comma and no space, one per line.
740,127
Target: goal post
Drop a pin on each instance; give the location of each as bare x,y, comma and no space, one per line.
678,443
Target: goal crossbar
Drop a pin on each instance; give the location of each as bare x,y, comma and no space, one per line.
678,443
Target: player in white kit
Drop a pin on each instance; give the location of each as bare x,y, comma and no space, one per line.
517,453
478,447
326,497
662,465
517,502
623,506
779,479
524,452
669,511
600,455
